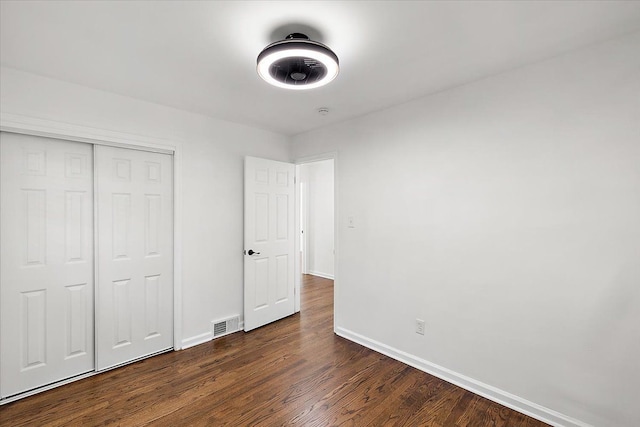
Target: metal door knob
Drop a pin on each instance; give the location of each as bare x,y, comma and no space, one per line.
251,252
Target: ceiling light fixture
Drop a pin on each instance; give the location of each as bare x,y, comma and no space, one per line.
297,63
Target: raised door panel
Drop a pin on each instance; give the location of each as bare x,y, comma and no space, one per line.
33,321
152,223
46,260
78,307
34,232
121,226
152,308
120,312
77,206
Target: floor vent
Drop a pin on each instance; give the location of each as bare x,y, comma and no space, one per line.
225,326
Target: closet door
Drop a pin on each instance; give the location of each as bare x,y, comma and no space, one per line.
134,301
46,261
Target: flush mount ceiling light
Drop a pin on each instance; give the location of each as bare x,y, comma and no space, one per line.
297,63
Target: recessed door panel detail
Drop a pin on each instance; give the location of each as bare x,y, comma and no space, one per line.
262,276
152,305
76,165
262,176
122,170
121,313
262,217
282,178
74,225
154,172
35,214
35,162
121,219
34,329
282,276
77,320
152,220
282,217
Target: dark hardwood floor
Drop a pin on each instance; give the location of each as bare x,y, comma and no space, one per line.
291,372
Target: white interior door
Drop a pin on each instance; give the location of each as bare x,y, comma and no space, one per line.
46,261
134,302
268,241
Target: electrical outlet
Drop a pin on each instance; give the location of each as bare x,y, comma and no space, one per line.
420,326
351,223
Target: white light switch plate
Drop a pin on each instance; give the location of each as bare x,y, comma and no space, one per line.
351,222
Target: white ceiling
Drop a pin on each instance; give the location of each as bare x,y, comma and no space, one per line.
200,56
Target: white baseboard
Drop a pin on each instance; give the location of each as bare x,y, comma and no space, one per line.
319,274
206,337
198,339
502,397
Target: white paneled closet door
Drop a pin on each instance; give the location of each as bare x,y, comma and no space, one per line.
134,311
46,261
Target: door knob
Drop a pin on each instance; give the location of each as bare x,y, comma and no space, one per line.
251,252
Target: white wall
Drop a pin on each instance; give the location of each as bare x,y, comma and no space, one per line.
318,180
505,213
212,179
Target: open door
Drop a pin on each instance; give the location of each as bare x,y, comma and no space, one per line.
268,241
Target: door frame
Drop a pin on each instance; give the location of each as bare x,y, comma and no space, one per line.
22,124
332,155
304,221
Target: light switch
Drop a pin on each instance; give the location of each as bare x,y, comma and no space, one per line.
351,222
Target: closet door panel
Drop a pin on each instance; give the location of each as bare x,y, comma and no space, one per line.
135,254
46,261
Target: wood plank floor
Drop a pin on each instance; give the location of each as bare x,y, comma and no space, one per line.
292,372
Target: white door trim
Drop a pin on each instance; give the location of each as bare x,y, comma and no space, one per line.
303,196
333,155
29,125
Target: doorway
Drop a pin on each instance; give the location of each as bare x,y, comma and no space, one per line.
315,215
